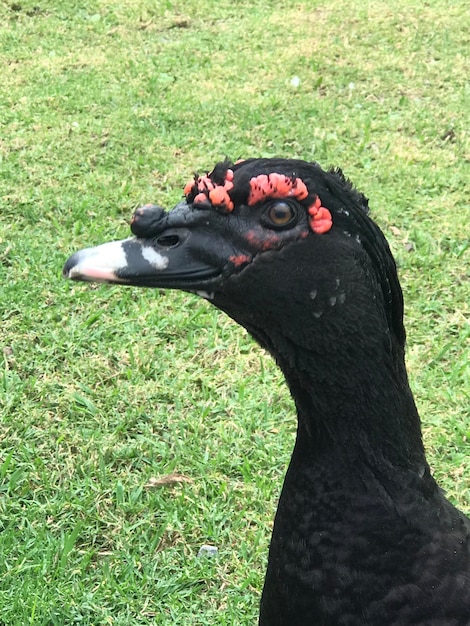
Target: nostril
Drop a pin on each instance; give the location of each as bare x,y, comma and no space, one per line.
167,241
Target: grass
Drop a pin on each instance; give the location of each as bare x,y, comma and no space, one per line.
137,426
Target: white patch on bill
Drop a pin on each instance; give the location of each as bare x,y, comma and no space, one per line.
112,255
100,264
156,260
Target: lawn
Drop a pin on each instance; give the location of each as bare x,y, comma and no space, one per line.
136,425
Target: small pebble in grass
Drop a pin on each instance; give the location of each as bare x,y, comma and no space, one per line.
206,550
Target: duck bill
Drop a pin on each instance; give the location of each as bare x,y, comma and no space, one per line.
137,262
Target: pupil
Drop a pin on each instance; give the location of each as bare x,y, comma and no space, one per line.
281,214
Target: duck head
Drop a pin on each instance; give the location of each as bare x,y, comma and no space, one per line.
254,236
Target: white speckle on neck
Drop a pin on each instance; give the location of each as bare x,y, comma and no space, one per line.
332,300
205,294
313,294
157,260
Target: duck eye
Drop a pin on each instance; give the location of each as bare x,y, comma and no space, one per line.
280,214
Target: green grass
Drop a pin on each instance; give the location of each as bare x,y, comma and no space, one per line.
105,105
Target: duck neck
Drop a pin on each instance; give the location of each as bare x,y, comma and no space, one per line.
354,404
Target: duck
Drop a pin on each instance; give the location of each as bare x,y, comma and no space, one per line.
363,535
